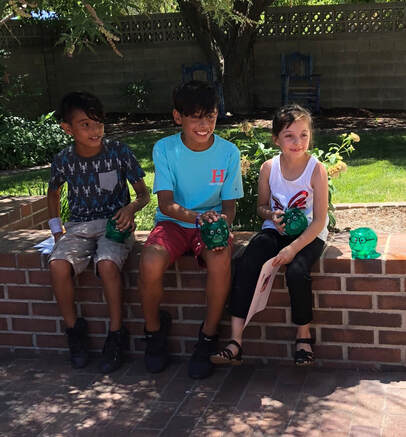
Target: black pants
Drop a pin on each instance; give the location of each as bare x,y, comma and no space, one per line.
265,245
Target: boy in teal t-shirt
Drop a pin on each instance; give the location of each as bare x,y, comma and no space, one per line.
197,178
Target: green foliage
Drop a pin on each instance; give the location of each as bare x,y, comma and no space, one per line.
335,165
255,151
14,90
63,196
137,92
26,143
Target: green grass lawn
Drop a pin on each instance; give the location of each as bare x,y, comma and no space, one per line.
376,170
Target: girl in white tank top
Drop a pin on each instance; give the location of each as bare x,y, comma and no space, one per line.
293,179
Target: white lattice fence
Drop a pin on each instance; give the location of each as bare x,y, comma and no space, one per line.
324,21
280,23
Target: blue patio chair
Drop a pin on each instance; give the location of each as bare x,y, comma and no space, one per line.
299,84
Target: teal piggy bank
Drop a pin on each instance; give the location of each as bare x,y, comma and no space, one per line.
215,234
295,222
363,243
114,234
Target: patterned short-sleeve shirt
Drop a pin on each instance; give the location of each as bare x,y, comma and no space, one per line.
97,186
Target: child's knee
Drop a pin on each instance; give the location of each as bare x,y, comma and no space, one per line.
297,272
153,262
219,262
108,268
61,268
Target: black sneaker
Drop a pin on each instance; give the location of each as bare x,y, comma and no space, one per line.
77,341
156,356
114,346
200,365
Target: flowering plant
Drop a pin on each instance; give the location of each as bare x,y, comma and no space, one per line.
255,150
335,165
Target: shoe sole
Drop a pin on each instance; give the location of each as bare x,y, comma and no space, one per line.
310,363
223,361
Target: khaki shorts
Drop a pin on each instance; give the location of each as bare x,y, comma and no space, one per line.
84,241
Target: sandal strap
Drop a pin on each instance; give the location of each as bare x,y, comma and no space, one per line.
235,343
228,353
305,340
302,355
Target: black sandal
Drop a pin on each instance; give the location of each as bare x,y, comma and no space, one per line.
226,355
303,357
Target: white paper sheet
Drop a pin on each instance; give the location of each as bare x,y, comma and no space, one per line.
262,289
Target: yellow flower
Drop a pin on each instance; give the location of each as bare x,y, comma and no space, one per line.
354,137
342,166
246,127
335,170
245,165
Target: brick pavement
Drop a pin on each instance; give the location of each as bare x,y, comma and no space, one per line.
42,396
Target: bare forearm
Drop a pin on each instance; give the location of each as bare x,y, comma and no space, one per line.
178,212
53,203
264,212
230,214
139,202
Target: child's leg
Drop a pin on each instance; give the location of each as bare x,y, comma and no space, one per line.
262,247
265,245
217,286
300,290
153,264
62,283
111,277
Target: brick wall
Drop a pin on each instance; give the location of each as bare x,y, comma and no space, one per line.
23,213
359,317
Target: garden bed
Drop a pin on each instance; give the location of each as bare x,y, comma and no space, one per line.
380,217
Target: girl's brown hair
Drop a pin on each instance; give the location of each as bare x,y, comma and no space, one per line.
287,114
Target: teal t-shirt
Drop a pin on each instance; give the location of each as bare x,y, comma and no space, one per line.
200,181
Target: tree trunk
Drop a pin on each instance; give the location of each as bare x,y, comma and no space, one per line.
238,76
229,48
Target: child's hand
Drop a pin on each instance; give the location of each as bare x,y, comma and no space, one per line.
277,217
57,236
285,256
209,216
124,218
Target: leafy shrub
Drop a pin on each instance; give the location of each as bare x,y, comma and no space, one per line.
255,151
27,143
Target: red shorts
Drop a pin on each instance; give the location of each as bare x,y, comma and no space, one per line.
177,240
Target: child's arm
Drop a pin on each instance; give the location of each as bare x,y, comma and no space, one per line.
172,209
264,195
53,197
319,182
125,216
228,211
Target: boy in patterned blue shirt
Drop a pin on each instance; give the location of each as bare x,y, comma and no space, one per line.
96,171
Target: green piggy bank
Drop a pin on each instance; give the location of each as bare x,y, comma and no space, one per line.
215,234
295,222
112,233
363,243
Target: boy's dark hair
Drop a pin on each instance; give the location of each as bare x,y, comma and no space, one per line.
194,97
287,114
86,102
